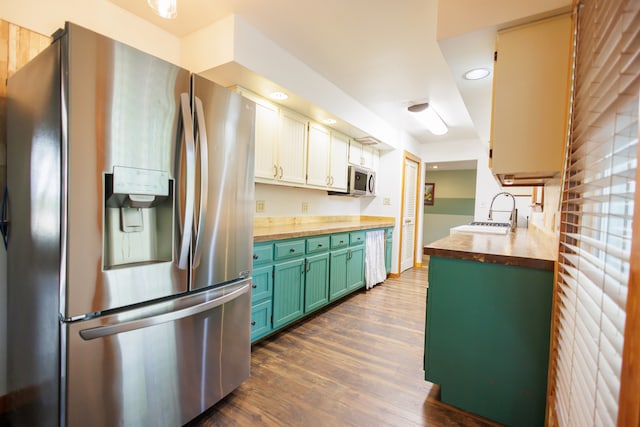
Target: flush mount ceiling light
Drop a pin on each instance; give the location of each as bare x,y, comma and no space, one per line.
167,9
428,116
330,121
279,96
477,74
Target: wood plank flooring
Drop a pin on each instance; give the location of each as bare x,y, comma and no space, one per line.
357,363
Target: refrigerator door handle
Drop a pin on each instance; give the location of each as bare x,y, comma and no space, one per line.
204,178
172,316
187,225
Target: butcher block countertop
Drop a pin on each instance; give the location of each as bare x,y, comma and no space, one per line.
278,228
524,248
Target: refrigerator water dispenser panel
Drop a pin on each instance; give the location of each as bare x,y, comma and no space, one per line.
138,217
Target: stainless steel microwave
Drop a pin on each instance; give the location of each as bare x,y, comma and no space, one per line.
362,181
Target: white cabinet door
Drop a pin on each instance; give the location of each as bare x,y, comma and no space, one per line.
355,153
266,140
339,162
319,151
293,147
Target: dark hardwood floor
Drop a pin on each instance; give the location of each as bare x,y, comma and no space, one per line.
357,363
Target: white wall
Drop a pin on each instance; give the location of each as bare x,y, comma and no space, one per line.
281,201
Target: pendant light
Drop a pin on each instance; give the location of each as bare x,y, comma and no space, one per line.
167,9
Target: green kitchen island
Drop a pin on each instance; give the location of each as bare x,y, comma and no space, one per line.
488,323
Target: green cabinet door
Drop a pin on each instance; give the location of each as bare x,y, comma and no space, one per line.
288,292
262,284
338,274
388,249
355,268
260,319
316,282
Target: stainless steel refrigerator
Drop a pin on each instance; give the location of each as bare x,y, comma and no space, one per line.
130,196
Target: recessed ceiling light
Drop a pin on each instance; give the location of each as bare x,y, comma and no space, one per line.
434,167
330,121
278,96
477,74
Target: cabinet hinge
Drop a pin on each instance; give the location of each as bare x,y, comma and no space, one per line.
273,274
491,153
495,55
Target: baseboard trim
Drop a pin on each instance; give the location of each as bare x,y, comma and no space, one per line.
394,276
418,265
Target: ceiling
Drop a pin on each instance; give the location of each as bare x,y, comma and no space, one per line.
381,53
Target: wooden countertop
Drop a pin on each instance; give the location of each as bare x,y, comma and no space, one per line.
523,247
265,229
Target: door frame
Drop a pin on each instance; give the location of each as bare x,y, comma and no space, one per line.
412,157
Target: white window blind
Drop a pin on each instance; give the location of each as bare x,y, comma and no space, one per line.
596,215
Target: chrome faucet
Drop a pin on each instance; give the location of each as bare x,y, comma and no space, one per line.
512,217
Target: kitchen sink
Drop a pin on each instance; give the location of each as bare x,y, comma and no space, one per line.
483,227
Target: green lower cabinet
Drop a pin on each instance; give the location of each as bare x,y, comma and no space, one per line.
338,274
487,338
355,268
316,286
388,249
260,319
288,292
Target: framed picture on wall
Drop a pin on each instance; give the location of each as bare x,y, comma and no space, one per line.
429,193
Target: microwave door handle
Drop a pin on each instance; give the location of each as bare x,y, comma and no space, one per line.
172,316
187,225
201,131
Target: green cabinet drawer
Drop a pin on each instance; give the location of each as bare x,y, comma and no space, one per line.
262,284
356,238
260,320
262,254
317,244
289,249
340,240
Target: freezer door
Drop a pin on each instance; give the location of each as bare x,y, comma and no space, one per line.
159,365
225,185
120,146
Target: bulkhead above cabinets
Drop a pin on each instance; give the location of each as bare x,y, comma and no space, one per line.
293,150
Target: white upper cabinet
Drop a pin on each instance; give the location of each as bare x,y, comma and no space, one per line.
327,164
363,155
289,150
292,165
530,101
318,174
338,162
266,140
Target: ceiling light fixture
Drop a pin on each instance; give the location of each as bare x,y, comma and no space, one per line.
330,121
477,74
428,116
279,96
167,9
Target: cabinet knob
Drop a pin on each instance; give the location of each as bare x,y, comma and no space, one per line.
254,286
255,256
319,245
341,241
253,323
292,250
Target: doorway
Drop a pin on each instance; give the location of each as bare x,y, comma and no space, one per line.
410,192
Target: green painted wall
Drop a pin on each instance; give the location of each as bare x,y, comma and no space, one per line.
453,205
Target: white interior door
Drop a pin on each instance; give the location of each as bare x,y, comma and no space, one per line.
409,214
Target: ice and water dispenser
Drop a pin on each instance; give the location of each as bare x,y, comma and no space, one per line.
138,223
